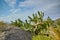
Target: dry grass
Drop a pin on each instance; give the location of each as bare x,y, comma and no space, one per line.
54,33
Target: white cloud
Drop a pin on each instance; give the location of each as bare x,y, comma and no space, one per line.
50,6
29,3
43,5
14,14
13,11
11,3
37,4
13,17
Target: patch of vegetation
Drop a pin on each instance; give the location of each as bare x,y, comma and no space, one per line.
2,23
41,29
41,37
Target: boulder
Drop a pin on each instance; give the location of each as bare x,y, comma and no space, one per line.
15,33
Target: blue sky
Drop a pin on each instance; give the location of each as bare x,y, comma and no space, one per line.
11,10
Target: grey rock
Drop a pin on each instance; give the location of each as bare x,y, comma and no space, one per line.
15,33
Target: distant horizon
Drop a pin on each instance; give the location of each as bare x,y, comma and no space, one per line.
11,10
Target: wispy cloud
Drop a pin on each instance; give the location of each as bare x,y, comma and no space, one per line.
36,5
39,4
11,3
13,11
14,16
29,3
50,6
